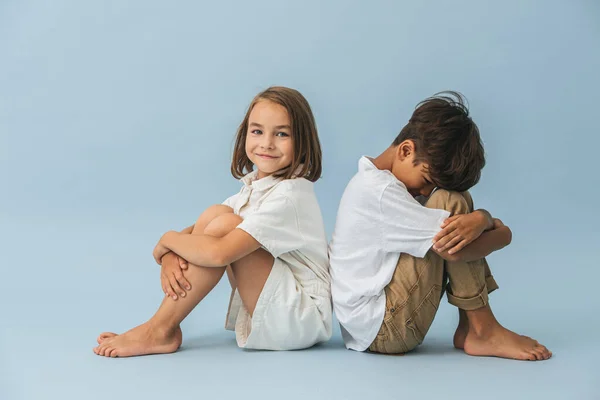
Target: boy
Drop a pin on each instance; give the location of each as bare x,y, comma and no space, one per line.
387,279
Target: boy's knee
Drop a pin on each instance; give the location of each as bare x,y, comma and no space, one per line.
454,202
222,225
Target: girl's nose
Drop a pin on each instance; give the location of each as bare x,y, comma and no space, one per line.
267,142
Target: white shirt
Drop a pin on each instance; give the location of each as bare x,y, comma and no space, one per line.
377,220
283,215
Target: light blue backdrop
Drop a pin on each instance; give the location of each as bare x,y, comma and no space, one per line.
116,124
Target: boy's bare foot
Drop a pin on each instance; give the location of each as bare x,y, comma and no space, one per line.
142,340
501,342
486,337
105,335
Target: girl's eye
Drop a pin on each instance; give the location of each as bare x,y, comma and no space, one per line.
282,134
257,131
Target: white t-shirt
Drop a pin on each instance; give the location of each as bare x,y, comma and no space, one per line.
285,218
377,220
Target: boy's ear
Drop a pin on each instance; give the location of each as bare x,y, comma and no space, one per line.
405,149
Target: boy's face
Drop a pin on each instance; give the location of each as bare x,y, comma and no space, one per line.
415,177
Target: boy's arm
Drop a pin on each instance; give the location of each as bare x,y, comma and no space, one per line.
489,241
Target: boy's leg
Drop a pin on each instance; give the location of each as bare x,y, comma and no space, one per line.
413,295
470,284
412,300
162,333
463,323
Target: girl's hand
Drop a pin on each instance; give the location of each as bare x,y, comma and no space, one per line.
460,230
173,283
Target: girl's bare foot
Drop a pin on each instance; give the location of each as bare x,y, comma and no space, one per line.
142,340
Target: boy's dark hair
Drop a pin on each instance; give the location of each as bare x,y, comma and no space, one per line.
447,140
307,158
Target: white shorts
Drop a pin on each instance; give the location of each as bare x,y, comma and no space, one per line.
289,314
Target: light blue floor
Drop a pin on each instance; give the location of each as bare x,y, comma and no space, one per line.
61,293
116,124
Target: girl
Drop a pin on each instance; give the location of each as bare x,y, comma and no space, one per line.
270,236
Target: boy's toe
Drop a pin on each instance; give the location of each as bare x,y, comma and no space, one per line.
105,335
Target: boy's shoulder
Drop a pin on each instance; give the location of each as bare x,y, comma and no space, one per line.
371,179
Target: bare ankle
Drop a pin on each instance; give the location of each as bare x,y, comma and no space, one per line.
482,321
163,329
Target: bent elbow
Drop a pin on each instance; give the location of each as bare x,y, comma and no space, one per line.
508,236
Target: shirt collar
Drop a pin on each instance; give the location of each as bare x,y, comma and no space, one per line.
265,183
366,163
251,181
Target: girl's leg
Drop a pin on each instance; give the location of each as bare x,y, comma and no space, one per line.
203,221
206,218
162,334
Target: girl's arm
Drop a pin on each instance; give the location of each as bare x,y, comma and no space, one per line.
187,230
484,245
209,251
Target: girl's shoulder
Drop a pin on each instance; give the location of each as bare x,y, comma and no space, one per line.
295,192
294,187
296,183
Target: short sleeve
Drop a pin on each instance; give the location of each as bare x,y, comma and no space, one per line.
230,201
275,225
408,227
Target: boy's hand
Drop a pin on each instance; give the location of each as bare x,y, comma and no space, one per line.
172,280
460,230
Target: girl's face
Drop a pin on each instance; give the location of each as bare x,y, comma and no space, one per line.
269,142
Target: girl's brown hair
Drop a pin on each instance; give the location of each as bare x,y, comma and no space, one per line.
306,161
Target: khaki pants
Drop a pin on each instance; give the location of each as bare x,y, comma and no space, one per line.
414,294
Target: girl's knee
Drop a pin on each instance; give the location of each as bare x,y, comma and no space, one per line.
222,225
217,210
209,215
